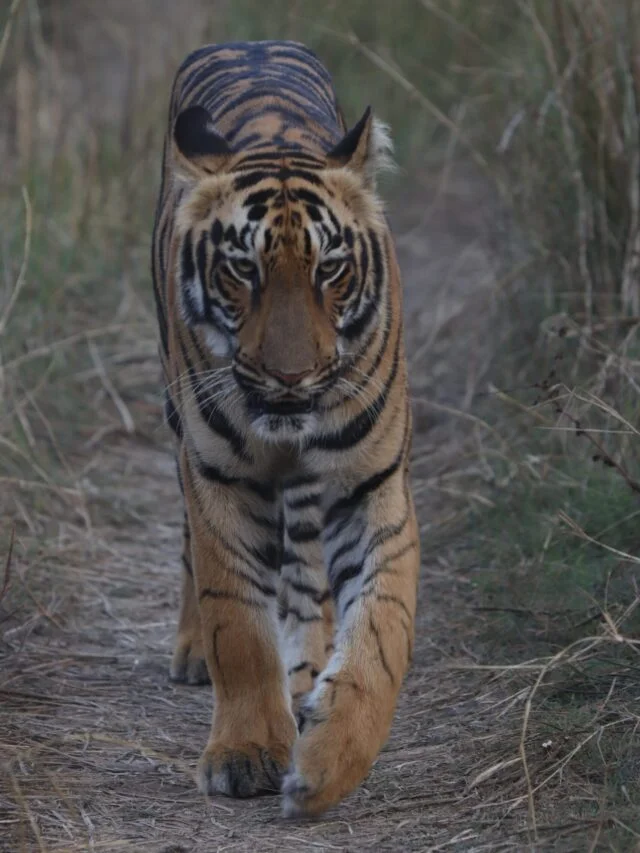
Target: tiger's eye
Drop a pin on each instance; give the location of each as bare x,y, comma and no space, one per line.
329,268
242,266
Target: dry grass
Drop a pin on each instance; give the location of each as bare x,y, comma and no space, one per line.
518,727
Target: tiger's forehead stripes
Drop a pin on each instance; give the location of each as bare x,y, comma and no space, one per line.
297,208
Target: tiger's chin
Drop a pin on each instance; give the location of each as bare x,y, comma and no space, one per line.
289,429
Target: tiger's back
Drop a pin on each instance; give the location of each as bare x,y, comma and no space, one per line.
280,320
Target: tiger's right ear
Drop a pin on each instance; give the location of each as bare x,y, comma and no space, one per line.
200,149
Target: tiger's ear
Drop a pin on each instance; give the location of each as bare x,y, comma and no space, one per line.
366,149
200,149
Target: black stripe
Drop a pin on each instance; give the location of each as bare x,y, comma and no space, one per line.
345,574
259,197
171,415
393,599
362,381
298,480
347,293
243,557
266,491
264,521
290,558
231,235
345,548
292,611
300,160
359,324
257,212
383,660
268,555
304,502
294,159
382,568
302,666
158,279
302,194
201,256
378,264
187,267
264,588
359,427
187,565
302,532
304,175
212,415
347,504
306,589
217,232
216,656
243,182
384,534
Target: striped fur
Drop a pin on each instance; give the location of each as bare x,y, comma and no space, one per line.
279,311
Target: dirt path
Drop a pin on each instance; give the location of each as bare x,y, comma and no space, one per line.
108,746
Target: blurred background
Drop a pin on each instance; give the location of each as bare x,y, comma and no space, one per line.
517,219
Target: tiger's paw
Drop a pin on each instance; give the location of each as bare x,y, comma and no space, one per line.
188,665
338,743
245,770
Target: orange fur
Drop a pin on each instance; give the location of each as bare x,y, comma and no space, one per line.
277,286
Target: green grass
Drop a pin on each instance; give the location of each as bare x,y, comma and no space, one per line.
558,608
543,579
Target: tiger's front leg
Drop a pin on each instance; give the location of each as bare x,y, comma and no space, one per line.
306,608
372,558
188,665
235,569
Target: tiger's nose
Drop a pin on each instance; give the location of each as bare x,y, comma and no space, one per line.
290,378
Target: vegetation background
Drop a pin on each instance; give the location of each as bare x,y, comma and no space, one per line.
517,214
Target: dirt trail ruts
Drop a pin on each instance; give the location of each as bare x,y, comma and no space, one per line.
112,745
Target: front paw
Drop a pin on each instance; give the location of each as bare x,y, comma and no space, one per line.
188,665
245,770
340,738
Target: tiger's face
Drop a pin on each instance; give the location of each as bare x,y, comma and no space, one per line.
283,270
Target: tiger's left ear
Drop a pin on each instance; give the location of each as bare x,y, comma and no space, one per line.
200,149
366,149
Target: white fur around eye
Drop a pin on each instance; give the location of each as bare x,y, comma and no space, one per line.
218,343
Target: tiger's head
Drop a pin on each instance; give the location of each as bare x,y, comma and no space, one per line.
281,262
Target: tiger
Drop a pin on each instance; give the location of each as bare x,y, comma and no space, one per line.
279,310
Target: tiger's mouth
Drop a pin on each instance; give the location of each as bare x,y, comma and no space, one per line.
284,417
261,402
285,405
